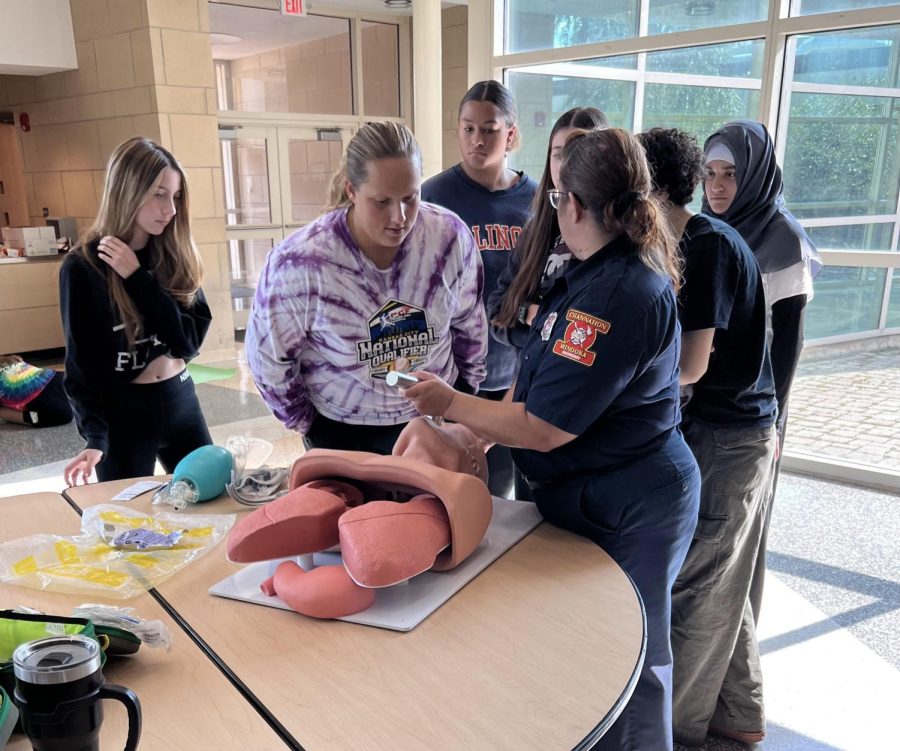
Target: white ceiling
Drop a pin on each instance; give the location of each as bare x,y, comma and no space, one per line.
262,30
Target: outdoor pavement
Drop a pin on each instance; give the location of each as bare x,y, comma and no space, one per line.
846,405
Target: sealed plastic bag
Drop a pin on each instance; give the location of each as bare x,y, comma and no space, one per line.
105,559
252,482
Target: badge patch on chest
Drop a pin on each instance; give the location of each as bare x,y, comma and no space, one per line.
581,333
547,328
400,338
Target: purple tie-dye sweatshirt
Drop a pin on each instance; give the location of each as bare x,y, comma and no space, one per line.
327,325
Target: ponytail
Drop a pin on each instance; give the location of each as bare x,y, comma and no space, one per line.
607,170
372,141
338,198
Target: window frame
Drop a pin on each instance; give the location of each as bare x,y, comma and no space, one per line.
774,108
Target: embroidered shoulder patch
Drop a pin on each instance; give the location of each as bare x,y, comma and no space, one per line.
580,335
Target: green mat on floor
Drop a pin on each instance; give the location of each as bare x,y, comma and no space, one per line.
205,374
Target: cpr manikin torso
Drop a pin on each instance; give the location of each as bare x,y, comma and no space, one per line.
443,507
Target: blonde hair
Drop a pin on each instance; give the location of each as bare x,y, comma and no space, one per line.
608,173
372,141
133,174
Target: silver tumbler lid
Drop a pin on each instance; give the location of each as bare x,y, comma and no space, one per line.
56,659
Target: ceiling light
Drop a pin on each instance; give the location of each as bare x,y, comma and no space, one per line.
398,3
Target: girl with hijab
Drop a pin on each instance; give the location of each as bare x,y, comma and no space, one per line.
729,425
743,187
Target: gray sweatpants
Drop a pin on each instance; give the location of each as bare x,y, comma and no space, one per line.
717,679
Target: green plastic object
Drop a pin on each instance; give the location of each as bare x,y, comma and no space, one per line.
8,716
202,475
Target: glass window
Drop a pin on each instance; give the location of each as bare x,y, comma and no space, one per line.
698,103
735,60
841,156
893,313
274,63
245,173
697,89
381,69
667,16
538,24
311,164
247,258
852,236
542,96
808,7
842,160
860,57
698,110
847,301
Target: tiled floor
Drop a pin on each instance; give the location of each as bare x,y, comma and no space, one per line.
830,628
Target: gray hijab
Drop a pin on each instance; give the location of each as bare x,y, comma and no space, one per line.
758,211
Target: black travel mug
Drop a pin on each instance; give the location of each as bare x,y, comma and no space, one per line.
59,686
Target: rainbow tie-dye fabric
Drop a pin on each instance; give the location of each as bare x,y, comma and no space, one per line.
21,382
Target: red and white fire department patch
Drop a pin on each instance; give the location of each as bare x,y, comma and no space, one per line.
581,333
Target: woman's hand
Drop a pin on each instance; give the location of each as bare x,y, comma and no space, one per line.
82,466
119,255
532,312
431,396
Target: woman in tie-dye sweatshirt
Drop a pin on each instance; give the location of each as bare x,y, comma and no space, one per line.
378,283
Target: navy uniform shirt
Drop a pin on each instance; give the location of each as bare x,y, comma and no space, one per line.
601,362
723,291
496,219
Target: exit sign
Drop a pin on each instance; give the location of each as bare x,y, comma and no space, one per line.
293,7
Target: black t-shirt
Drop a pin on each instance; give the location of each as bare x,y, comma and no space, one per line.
723,291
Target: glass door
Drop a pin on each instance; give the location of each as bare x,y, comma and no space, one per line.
275,179
309,157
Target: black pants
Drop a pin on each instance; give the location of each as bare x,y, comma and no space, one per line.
787,343
49,408
326,433
152,420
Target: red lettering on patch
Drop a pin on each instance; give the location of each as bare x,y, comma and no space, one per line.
580,335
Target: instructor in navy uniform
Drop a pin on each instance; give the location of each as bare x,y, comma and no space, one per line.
594,416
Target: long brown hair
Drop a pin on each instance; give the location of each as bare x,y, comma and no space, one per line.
541,229
133,174
607,170
372,141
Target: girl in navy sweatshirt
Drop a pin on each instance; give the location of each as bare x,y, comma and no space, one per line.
133,313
